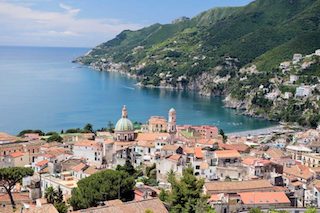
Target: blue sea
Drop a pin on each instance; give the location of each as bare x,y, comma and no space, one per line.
41,89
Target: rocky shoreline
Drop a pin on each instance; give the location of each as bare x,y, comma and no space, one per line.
194,86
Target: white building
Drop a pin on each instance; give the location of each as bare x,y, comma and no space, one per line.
287,95
91,151
293,78
65,181
303,91
296,58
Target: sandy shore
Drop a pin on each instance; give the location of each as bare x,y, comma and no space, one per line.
264,131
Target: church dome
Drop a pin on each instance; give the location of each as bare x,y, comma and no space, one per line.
124,124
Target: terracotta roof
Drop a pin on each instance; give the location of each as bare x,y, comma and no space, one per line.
90,170
174,157
315,169
275,153
316,184
170,147
188,150
239,147
88,143
205,141
264,198
148,144
151,136
198,152
17,154
42,163
315,143
227,154
47,208
108,141
254,161
215,197
17,196
157,119
79,167
300,171
154,205
296,183
237,186
56,151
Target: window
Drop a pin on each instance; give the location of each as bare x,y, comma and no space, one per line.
197,167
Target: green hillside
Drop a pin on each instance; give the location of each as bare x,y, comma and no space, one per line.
206,53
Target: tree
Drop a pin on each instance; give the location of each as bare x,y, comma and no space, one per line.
151,171
277,211
110,126
55,137
127,167
311,210
88,128
61,207
55,197
26,131
186,194
51,133
59,196
163,196
50,194
10,176
101,186
202,206
255,210
224,137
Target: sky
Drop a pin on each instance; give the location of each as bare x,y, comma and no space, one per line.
87,23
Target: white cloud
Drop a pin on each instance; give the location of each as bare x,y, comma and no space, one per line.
61,27
68,8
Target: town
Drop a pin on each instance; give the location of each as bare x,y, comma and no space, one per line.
275,170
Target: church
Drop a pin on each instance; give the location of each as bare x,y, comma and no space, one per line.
124,129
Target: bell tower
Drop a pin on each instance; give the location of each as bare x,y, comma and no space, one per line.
124,112
172,122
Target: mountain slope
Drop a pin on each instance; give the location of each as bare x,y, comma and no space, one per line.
223,51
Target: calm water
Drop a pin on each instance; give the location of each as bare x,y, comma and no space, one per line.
41,89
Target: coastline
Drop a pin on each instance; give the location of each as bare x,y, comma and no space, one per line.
280,128
227,104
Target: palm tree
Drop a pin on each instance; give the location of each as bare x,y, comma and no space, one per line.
50,194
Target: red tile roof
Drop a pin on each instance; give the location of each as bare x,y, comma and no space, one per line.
240,147
17,196
79,167
264,198
88,143
227,154
198,152
175,157
150,136
17,154
42,163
